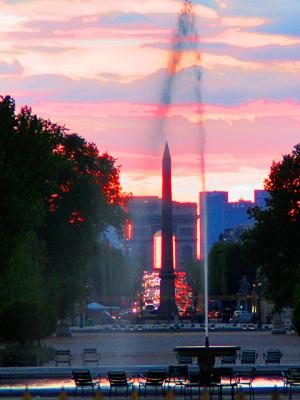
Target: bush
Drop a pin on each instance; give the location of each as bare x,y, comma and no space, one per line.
17,355
25,322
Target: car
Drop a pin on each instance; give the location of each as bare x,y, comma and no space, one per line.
242,317
107,318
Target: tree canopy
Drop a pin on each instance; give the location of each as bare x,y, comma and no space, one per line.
227,266
273,242
58,193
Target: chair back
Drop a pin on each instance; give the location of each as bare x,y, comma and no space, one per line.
82,378
248,356
293,374
63,357
231,359
156,378
90,355
117,378
273,356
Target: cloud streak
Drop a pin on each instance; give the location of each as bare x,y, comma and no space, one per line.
99,67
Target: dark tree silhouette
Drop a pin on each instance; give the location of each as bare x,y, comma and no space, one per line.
58,193
273,242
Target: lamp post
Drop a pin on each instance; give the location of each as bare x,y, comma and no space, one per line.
82,306
258,292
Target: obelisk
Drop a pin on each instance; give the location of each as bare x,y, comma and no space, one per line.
167,308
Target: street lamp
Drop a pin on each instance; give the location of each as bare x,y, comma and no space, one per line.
258,292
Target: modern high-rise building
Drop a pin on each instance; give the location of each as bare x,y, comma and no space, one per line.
222,215
215,217
143,238
260,198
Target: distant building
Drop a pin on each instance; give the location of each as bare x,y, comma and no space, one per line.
260,198
216,203
224,217
144,226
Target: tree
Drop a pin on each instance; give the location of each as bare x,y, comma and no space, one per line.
273,242
110,273
195,275
58,193
87,201
227,265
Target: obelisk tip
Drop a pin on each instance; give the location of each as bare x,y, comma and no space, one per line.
167,154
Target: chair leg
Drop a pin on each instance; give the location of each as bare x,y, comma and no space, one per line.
252,392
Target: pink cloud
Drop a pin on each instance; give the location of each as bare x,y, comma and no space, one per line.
241,141
238,37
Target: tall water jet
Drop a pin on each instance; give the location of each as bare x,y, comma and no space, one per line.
186,41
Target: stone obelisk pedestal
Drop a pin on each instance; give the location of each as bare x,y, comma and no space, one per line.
167,309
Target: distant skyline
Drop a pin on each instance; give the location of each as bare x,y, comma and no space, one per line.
99,67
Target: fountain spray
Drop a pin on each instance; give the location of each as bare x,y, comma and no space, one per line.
186,41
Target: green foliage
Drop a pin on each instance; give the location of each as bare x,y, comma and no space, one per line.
57,195
273,242
25,321
110,273
17,355
227,265
195,274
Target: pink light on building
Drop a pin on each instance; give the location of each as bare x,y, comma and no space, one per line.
157,242
128,230
174,251
157,248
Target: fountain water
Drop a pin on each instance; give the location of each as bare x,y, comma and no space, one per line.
186,41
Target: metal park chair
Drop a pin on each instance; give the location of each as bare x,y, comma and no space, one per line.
273,356
248,357
224,378
244,379
291,381
63,357
154,379
90,356
177,376
197,382
118,380
194,382
231,359
83,380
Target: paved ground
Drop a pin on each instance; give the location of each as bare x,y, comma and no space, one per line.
141,348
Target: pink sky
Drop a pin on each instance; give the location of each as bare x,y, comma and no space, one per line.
99,68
